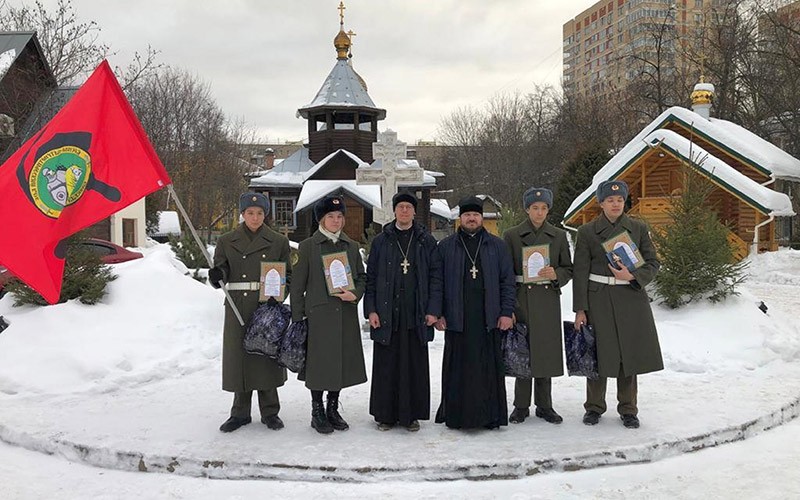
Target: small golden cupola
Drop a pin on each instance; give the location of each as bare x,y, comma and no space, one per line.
342,41
703,98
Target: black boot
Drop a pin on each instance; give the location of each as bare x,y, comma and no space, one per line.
519,415
318,419
332,411
234,423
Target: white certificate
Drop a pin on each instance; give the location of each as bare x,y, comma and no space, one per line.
339,274
272,283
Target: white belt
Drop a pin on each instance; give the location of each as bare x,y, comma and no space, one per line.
607,280
521,279
245,285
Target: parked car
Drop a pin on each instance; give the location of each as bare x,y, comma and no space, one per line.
108,252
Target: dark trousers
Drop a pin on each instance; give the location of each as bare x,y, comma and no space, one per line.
542,392
268,403
627,391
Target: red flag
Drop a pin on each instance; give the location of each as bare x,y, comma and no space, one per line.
90,161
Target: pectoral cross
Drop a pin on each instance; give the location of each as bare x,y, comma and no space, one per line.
474,272
405,265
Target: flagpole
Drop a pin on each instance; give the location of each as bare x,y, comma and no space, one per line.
203,249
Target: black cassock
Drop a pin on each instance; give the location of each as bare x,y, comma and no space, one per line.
400,391
473,381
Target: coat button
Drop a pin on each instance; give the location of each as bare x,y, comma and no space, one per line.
244,276
244,293
530,287
244,256
263,256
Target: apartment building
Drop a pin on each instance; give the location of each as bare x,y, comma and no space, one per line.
599,41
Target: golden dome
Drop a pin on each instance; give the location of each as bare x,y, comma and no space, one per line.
703,93
342,43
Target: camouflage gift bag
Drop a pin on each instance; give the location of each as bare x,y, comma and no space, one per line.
266,328
293,347
581,350
516,353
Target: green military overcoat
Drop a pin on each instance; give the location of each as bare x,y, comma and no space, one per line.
620,314
335,357
539,306
240,258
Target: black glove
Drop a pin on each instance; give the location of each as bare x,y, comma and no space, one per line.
217,277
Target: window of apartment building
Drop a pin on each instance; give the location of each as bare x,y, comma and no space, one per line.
698,4
283,212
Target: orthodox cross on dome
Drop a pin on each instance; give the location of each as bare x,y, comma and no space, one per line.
341,8
390,151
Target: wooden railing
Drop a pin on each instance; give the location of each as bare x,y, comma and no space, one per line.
653,209
740,247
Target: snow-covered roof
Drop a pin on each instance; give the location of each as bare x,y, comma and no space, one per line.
428,178
288,172
168,223
736,140
259,173
358,161
298,168
6,59
316,190
760,197
343,87
484,197
441,208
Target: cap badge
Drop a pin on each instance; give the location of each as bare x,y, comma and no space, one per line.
335,201
615,187
255,199
538,193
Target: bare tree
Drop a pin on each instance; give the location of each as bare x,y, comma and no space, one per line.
71,46
772,78
504,148
197,143
651,64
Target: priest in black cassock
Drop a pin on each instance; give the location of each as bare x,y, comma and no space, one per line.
396,304
472,293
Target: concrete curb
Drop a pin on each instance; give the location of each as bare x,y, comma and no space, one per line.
135,461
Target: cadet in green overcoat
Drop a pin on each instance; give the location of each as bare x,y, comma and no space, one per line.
335,357
615,303
237,262
539,303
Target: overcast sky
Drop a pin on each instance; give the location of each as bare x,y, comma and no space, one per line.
421,59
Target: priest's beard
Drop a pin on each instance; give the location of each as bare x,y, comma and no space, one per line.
471,232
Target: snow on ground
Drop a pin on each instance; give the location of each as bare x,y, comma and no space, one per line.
134,383
764,467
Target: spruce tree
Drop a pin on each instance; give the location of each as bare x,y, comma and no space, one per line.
697,260
189,252
575,178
